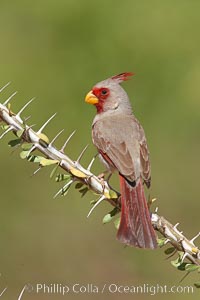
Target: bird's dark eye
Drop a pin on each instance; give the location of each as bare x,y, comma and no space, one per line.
104,92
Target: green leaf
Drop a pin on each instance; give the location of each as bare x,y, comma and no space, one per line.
161,242
62,177
19,133
35,158
43,143
107,218
27,146
197,284
113,194
84,191
14,143
43,138
24,154
169,250
77,173
116,223
48,162
178,263
5,126
191,267
79,185
182,266
175,263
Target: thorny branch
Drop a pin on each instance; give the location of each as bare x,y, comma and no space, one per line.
38,140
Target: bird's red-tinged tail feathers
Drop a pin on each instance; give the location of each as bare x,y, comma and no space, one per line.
135,224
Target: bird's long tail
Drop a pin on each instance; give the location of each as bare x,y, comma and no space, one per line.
135,224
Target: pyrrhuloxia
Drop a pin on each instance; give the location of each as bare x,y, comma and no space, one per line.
121,142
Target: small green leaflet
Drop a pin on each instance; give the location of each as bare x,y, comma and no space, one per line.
161,242
19,133
197,284
169,250
178,263
15,142
35,158
113,194
191,267
27,146
5,126
48,162
24,154
78,185
83,191
116,223
107,218
62,177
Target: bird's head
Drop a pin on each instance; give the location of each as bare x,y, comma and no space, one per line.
108,95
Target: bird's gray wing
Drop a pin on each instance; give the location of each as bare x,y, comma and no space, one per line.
114,139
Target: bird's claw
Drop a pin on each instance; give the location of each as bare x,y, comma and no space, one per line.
101,176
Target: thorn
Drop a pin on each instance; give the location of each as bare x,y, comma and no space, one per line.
194,238
156,210
36,171
67,141
154,217
184,256
5,132
81,155
96,204
25,106
64,187
5,86
31,126
31,150
175,227
7,101
3,291
91,163
153,200
27,118
45,124
166,241
56,137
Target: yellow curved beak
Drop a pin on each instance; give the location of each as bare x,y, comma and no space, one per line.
91,98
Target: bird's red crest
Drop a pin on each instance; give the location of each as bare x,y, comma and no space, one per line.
122,77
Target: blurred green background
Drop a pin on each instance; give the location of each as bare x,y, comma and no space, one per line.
56,51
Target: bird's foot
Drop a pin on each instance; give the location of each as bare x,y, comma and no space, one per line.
101,176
